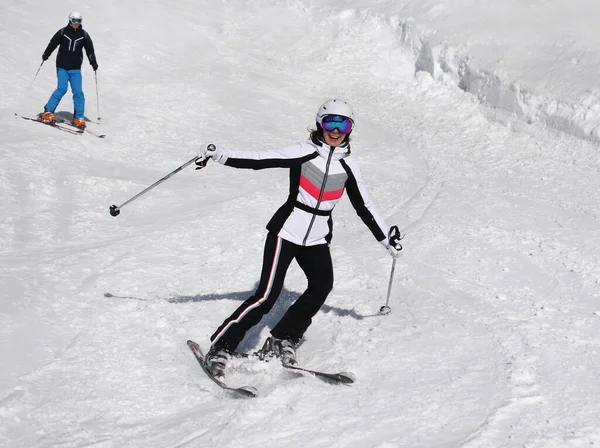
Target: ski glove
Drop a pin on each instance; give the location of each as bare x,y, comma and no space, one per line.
208,151
44,57
392,243
95,65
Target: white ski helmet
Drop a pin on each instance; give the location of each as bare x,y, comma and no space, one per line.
75,15
335,107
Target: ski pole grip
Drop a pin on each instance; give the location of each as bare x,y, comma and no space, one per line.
394,238
394,234
202,161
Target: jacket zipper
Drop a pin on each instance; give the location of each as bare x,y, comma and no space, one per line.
320,195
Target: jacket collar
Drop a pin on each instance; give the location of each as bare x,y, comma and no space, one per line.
339,152
70,29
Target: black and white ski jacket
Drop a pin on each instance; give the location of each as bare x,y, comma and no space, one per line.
319,174
71,43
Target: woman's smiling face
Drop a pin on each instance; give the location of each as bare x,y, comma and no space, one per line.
334,138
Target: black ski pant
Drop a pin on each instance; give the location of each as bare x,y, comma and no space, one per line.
316,263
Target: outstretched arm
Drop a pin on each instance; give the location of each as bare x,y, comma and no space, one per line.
257,160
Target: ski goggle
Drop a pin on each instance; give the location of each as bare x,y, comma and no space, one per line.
331,122
75,20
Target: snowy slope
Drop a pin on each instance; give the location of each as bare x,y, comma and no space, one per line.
492,340
532,64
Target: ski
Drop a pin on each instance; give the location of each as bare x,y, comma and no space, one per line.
71,125
331,378
52,125
244,391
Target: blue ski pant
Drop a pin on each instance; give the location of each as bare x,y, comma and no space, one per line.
64,78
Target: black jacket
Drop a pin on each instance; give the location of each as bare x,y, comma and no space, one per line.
70,52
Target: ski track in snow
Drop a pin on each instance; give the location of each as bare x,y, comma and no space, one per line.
492,338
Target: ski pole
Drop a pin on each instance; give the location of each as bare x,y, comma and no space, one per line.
36,74
115,210
29,88
97,97
385,309
34,78
394,234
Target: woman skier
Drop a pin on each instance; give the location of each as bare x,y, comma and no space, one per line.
321,168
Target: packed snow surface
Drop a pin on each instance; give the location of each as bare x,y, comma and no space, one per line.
477,129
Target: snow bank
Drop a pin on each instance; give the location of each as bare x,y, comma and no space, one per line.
526,63
508,101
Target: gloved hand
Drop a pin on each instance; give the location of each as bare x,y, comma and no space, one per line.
207,151
95,65
44,57
392,243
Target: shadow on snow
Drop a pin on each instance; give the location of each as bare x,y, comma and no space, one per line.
253,337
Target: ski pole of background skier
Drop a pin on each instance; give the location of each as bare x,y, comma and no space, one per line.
97,97
393,235
36,74
115,210
31,85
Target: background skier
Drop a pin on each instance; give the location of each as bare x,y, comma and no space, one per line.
71,41
321,168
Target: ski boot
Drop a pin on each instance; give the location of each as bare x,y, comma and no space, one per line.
79,123
216,360
283,349
47,116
